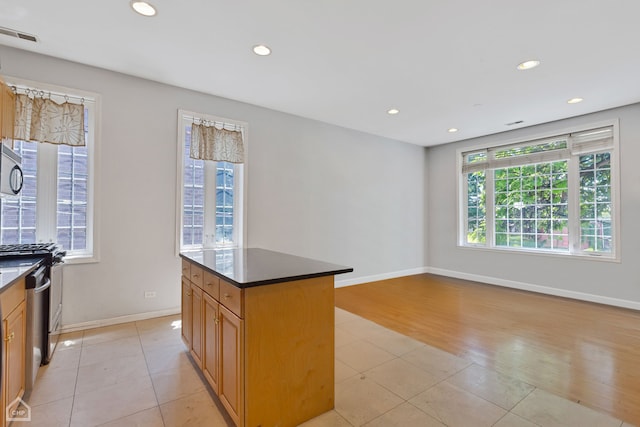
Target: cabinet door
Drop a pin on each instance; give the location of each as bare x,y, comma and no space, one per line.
196,328
8,113
186,313
2,108
231,382
211,336
15,328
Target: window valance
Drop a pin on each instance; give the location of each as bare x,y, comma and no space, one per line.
44,120
220,145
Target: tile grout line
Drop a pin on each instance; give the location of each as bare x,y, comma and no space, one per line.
363,376
485,399
443,380
75,386
471,362
146,363
191,363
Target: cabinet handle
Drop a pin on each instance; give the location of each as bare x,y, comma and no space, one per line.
216,320
209,284
188,294
227,296
11,336
195,276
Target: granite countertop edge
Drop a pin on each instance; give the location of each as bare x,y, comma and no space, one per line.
332,271
10,275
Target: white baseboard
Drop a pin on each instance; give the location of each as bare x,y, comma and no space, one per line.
376,277
118,320
635,305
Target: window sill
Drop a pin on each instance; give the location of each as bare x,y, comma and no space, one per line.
81,259
565,255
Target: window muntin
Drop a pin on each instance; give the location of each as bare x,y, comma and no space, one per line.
521,196
531,206
193,196
56,202
72,198
527,149
225,185
18,220
476,208
595,202
211,213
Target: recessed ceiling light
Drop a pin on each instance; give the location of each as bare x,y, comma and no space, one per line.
574,100
261,50
143,8
452,130
527,65
393,111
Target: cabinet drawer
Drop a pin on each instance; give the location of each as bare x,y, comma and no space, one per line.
231,297
212,285
186,268
196,276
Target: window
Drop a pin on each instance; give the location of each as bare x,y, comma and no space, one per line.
71,226
56,202
18,220
211,193
553,195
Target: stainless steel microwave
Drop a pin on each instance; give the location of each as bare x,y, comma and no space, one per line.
11,177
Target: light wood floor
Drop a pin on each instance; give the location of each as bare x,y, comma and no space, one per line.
585,352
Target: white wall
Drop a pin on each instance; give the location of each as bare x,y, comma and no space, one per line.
609,282
314,190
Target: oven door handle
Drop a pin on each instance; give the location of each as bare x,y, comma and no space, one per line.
44,287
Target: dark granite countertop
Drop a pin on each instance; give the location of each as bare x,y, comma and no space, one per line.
255,267
12,269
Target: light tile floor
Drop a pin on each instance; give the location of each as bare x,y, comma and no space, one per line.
139,374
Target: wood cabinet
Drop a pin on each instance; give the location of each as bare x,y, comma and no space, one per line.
14,326
289,351
267,351
212,285
211,357
7,113
214,335
15,339
231,390
187,319
196,324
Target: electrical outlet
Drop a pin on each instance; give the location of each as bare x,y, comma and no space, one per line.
149,294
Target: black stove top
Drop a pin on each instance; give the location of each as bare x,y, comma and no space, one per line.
48,250
27,247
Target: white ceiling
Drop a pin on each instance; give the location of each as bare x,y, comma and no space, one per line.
445,63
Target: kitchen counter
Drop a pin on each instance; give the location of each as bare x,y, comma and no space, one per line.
255,267
260,327
13,269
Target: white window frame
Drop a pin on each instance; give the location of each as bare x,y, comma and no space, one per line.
185,118
573,189
46,199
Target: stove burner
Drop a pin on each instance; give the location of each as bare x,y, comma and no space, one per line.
27,247
52,252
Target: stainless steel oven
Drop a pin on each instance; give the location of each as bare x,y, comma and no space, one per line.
55,309
38,285
44,298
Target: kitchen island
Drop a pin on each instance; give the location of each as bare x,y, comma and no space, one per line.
260,326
